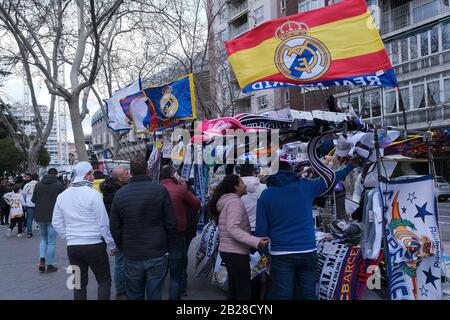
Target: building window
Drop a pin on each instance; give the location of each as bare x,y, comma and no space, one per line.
433,92
283,5
262,102
434,39
259,15
418,97
424,50
390,102
365,106
307,5
404,98
394,52
375,104
425,11
287,96
354,101
404,49
446,36
446,90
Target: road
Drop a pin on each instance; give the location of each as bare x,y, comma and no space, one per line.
444,224
20,279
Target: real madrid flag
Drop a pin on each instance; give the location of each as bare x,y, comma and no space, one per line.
175,100
118,118
335,45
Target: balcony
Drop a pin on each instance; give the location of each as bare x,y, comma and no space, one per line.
236,32
436,116
426,63
235,11
411,13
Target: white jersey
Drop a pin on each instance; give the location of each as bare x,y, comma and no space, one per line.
15,201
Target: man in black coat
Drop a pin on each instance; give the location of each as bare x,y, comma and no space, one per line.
144,226
4,207
119,177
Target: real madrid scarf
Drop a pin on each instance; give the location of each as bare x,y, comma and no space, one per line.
326,173
154,163
82,184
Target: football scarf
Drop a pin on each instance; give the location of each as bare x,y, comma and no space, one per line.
207,249
154,164
331,258
326,173
346,287
413,238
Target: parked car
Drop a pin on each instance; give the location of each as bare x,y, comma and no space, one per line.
442,189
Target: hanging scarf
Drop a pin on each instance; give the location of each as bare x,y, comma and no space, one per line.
326,173
154,164
82,184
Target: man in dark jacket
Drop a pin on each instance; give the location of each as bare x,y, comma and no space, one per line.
44,198
182,200
119,177
144,226
4,207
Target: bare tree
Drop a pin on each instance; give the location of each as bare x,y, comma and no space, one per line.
50,35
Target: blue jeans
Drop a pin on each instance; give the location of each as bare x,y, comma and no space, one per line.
30,214
177,268
48,242
119,279
294,271
145,276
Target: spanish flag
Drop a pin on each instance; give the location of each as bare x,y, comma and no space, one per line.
335,45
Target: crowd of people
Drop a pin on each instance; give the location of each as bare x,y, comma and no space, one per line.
148,226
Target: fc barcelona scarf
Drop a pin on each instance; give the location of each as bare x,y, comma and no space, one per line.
413,238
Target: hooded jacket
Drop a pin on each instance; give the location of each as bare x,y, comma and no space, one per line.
108,189
284,211
234,226
182,199
254,190
44,198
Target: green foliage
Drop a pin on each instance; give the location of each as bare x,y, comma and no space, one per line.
11,159
44,157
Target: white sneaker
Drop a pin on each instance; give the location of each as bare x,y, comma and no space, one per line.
8,233
20,235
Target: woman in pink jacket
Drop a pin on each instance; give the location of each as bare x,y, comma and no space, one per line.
227,209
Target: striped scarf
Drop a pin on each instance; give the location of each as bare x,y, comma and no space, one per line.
326,173
82,184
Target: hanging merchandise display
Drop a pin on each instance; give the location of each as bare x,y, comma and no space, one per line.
207,249
331,258
413,239
154,162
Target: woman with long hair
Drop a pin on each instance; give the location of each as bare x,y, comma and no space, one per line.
227,209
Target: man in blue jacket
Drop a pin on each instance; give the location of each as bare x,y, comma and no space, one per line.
284,214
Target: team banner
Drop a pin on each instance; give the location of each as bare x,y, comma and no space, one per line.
118,118
412,235
175,100
336,45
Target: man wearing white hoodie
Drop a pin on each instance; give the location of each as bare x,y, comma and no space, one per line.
80,218
254,190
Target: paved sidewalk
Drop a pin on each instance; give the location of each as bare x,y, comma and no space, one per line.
21,280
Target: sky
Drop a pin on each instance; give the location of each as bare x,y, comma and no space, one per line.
13,90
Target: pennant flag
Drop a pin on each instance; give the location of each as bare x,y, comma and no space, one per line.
413,238
175,100
335,45
118,120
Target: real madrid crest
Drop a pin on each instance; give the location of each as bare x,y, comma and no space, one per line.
168,103
298,56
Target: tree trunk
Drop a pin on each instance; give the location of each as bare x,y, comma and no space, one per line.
32,160
78,134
